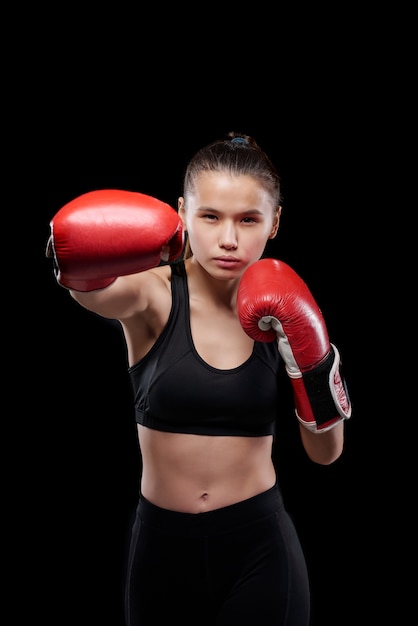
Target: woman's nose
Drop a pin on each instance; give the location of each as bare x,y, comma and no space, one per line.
228,237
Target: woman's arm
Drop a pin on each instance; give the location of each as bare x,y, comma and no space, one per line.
323,448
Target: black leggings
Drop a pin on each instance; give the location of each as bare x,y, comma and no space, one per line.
242,564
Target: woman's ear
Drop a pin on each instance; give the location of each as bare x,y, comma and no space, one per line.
180,206
276,223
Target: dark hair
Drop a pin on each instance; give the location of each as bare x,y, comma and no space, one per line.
237,154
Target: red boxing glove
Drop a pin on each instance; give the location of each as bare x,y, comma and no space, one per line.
273,302
108,233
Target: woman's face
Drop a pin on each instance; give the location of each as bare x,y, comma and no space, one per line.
228,220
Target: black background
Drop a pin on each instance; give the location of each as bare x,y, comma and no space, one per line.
105,106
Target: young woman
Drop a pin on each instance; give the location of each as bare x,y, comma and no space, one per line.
208,323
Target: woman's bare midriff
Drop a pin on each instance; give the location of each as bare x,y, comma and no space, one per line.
197,473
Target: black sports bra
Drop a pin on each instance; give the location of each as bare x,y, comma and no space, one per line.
176,391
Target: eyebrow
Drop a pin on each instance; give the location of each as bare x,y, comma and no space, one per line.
246,212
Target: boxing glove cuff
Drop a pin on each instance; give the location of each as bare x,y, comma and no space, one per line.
321,396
